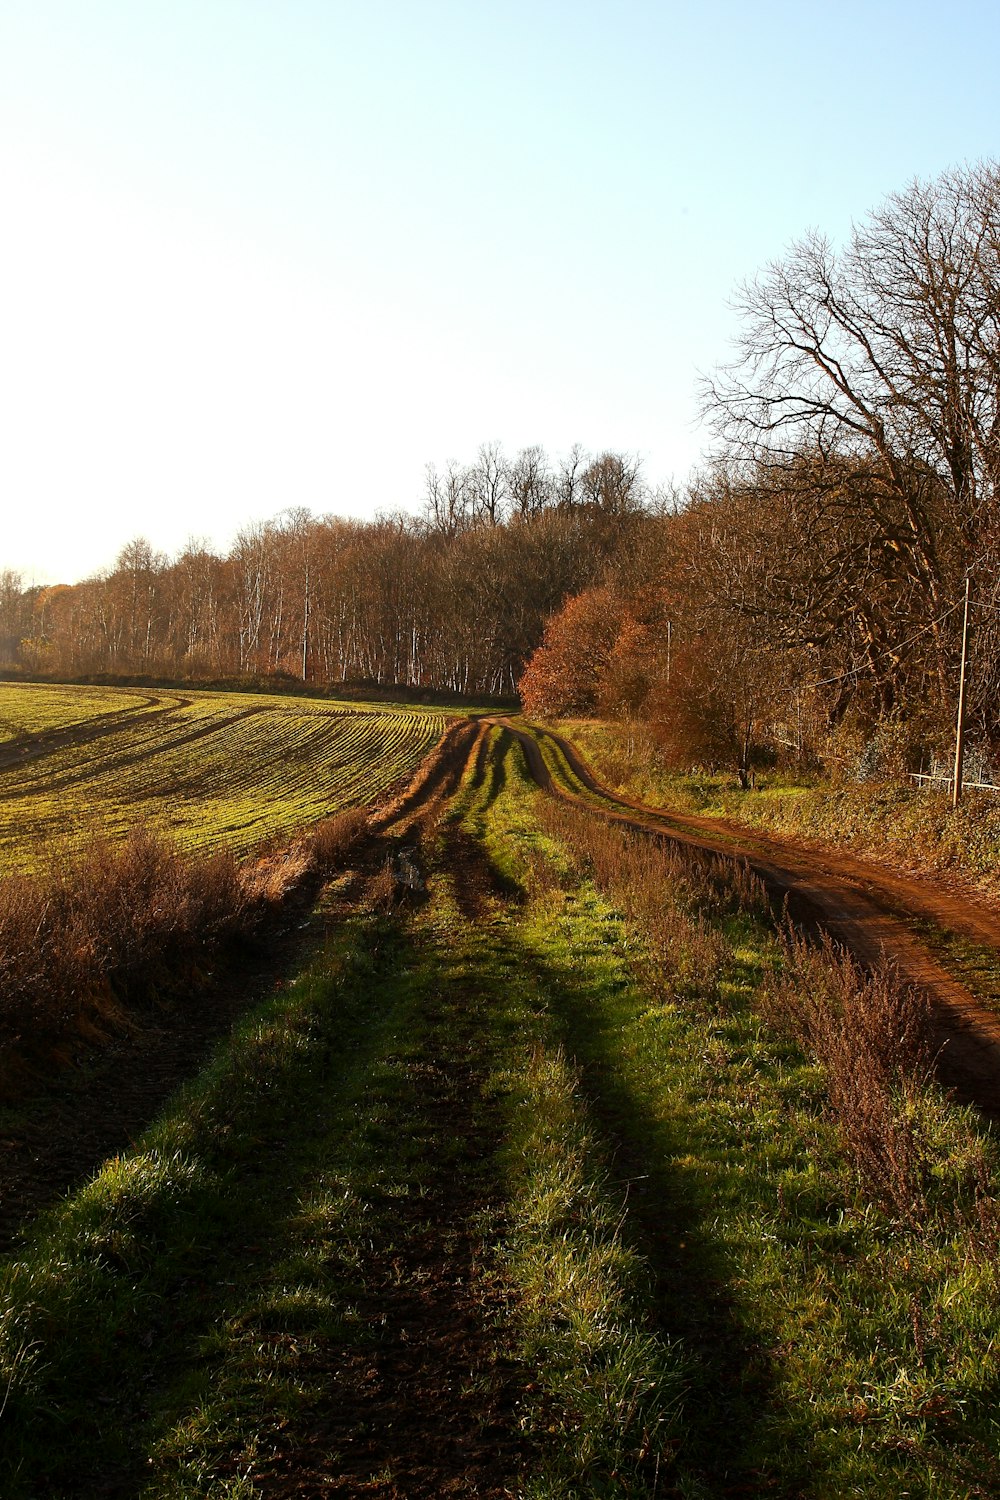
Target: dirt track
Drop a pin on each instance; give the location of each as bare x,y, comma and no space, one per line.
404,1408
865,906
868,908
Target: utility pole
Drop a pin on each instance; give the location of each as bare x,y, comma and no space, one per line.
956,791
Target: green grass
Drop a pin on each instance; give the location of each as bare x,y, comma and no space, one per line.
27,710
681,1283
609,1382
210,769
202,1243
838,1351
209,1282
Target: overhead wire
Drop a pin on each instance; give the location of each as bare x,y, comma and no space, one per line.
881,655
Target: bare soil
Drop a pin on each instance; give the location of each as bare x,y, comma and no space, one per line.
431,1408
867,907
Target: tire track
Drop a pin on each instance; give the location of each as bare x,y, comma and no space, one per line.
862,906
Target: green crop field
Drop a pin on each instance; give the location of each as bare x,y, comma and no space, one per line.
212,769
30,710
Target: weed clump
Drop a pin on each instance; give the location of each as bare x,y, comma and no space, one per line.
132,923
675,895
333,839
918,1156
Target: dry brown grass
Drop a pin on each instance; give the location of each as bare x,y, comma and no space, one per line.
673,893
332,840
382,890
870,1031
130,923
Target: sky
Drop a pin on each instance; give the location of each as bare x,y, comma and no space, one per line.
257,254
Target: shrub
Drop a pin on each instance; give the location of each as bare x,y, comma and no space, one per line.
131,922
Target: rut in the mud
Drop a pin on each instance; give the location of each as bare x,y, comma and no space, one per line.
80,1117
862,906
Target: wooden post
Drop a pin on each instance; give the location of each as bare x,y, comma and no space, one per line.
956,791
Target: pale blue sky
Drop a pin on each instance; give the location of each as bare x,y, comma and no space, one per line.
261,253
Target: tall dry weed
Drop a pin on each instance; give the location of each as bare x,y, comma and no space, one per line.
131,922
672,891
870,1031
333,839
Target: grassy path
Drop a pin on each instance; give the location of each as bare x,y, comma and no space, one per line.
281,1288
500,1198
303,1279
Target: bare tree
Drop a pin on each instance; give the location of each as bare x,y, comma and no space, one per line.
133,590
487,481
448,500
530,483
197,607
571,467
885,360
252,557
611,484
15,615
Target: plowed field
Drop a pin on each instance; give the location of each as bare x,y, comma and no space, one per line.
210,768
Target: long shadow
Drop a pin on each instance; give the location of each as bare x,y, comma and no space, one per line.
171,1279
481,762
418,1397
665,1217
58,1136
727,1411
491,763
432,1402
475,878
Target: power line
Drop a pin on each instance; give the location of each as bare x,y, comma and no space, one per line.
887,652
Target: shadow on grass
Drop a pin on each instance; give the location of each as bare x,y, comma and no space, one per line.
419,1399
668,1218
302,1293
124,1281
372,1081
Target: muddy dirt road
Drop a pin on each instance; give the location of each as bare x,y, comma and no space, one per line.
866,907
84,1117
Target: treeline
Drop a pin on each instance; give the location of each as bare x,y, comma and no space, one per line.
453,598
803,599
808,600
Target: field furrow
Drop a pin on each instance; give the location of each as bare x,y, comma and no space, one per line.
213,769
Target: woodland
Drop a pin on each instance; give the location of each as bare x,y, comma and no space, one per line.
802,599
